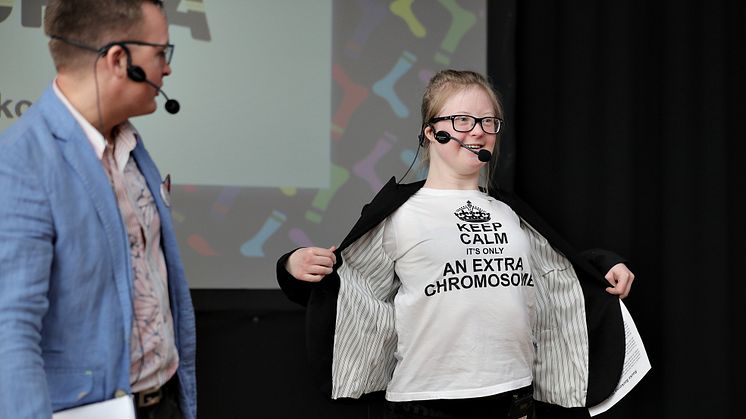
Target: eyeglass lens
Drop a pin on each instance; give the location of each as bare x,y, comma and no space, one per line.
465,123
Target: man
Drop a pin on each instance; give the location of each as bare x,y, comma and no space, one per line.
93,299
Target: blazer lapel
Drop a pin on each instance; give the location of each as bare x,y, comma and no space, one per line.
152,178
388,199
79,154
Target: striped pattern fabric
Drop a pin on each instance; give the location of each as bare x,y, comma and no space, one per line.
560,335
365,338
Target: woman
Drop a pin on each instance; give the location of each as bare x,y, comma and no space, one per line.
457,300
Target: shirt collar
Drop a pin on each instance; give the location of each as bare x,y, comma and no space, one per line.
125,140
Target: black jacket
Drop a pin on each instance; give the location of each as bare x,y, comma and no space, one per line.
606,341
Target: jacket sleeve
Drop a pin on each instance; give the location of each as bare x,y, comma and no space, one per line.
300,291
296,290
602,259
26,251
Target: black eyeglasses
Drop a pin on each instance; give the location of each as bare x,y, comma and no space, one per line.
466,123
168,49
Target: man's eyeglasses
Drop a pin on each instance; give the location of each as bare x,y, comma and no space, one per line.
466,123
168,49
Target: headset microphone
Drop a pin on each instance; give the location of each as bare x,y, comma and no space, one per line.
443,137
137,74
172,105
134,72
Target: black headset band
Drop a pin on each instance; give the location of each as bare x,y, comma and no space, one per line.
101,51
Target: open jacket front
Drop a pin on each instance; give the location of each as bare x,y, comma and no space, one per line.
351,338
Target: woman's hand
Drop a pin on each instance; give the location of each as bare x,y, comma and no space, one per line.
311,264
621,280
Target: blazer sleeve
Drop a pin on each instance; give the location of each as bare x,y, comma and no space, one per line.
296,290
26,252
602,259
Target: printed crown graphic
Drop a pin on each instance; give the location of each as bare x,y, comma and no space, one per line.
472,214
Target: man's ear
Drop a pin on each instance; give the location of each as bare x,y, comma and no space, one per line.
116,60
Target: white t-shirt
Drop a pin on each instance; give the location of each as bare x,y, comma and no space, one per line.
465,307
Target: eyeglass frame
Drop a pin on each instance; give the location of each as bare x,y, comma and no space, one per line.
476,120
168,49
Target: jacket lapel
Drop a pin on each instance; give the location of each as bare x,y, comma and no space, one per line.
386,201
78,152
152,178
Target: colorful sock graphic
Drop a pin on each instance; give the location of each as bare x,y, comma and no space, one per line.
426,75
177,216
385,86
324,196
406,157
289,191
462,20
222,206
366,168
373,13
300,238
403,9
200,245
354,94
253,247
189,188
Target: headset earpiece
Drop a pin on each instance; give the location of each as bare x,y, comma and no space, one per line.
422,136
442,137
134,72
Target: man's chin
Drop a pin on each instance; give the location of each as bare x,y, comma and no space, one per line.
146,110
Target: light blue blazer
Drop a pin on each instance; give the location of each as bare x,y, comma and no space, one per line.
65,271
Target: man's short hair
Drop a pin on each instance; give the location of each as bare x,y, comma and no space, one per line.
93,23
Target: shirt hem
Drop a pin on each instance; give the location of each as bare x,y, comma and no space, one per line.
458,394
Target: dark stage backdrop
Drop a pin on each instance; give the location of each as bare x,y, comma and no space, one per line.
625,120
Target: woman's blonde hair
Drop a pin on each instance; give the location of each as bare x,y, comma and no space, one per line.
444,85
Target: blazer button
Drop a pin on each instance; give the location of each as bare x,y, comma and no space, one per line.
120,393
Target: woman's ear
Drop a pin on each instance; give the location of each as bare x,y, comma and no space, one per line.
428,135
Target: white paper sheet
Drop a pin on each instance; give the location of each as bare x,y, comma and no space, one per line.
636,364
116,408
